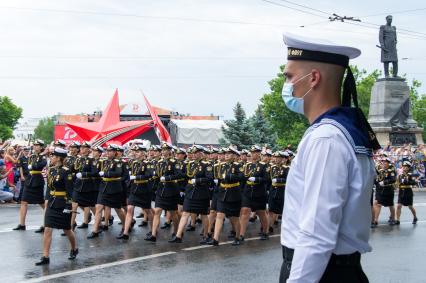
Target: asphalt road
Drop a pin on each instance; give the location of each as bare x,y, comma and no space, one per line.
398,254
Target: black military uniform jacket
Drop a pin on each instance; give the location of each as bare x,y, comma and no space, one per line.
232,176
202,172
143,173
256,188
172,172
388,177
183,181
111,181
125,178
85,166
406,181
35,179
59,182
278,172
23,163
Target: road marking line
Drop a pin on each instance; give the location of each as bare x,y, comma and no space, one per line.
95,267
405,222
225,243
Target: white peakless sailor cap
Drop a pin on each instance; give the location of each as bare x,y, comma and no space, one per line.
60,152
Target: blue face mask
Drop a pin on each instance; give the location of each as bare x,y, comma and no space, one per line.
295,104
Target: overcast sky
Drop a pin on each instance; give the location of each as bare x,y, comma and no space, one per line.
198,57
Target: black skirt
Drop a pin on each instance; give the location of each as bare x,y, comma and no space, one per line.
85,199
213,204
57,219
33,195
167,203
140,200
110,200
405,197
276,200
384,198
254,203
230,209
198,206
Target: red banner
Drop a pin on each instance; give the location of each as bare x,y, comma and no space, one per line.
67,134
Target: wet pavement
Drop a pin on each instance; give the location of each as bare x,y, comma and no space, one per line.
398,254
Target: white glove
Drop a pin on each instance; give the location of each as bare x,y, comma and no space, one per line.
101,173
130,172
381,183
132,177
274,181
30,167
79,175
162,179
252,179
193,181
216,181
182,194
402,180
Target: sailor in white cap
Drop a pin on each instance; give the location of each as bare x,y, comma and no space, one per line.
326,215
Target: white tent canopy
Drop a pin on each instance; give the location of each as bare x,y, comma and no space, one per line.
204,132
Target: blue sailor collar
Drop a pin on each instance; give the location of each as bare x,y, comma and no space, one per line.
346,119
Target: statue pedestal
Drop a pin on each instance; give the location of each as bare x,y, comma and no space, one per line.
390,114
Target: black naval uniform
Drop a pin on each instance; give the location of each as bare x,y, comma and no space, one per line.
254,193
111,188
405,195
85,192
385,193
197,196
276,193
183,181
69,163
167,195
125,181
140,188
96,179
23,163
229,193
58,210
216,176
34,183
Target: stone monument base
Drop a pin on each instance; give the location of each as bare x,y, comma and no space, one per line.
386,135
390,113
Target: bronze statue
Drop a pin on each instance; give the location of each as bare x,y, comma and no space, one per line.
387,38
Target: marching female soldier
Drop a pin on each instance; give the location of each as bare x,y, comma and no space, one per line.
405,195
58,211
197,193
140,190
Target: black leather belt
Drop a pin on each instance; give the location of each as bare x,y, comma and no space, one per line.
336,260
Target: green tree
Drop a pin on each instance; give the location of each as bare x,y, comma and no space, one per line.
262,132
238,131
418,105
364,84
9,116
45,130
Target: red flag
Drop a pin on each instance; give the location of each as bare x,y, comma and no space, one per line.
160,129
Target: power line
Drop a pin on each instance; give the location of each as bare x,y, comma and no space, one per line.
372,26
144,16
420,35
292,8
395,12
148,58
161,77
306,7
